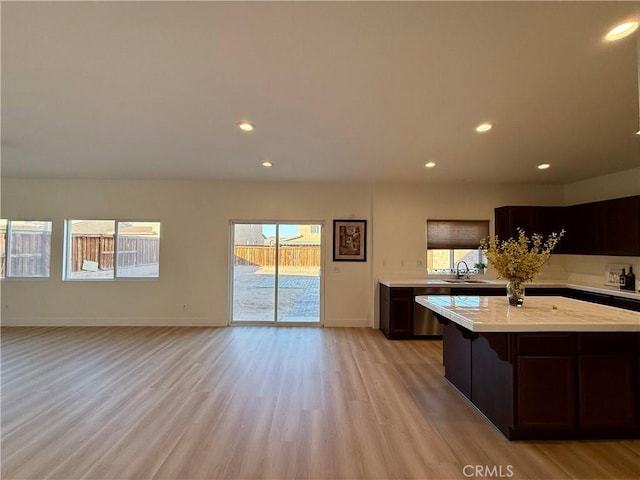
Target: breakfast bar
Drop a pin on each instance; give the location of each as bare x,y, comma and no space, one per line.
555,368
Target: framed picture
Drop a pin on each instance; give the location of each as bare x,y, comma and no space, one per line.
349,240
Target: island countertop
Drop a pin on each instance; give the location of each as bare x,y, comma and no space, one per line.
539,314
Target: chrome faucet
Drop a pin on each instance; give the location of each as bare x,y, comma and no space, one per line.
458,275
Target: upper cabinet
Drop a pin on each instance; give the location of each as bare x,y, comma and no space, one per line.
620,226
583,229
610,227
531,219
510,219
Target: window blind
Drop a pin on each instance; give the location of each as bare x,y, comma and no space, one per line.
451,234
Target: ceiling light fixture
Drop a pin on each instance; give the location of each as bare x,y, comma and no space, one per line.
638,132
267,164
246,126
620,31
543,166
484,127
430,164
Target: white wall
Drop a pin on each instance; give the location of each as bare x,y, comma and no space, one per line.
194,259
195,241
400,212
615,185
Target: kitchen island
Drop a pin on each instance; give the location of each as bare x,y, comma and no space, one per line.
555,368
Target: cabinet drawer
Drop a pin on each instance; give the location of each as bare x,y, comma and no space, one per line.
401,293
545,344
607,343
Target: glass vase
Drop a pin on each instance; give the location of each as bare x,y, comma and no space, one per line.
515,293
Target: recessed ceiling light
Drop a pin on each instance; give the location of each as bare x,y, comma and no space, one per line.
620,31
246,126
543,166
638,132
430,164
267,164
484,127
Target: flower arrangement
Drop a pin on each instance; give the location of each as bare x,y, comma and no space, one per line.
519,260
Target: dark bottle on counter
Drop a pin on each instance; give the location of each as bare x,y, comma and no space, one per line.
630,280
622,280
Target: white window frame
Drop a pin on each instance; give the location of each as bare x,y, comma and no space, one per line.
66,260
7,251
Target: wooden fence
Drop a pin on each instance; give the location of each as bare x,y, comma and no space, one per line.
289,255
30,254
132,251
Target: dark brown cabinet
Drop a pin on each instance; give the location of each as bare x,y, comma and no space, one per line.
610,227
583,229
545,359
396,312
456,355
607,373
546,385
532,219
548,409
620,226
511,219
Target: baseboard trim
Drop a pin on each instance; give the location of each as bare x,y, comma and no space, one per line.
113,322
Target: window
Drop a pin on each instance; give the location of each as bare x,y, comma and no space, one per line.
25,248
108,249
452,241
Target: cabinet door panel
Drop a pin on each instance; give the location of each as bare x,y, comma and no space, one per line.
620,224
607,392
584,230
552,220
509,219
552,408
401,312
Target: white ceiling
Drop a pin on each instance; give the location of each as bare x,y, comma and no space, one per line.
339,91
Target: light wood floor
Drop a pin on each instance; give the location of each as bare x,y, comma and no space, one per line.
257,403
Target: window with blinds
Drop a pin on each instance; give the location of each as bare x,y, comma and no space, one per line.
450,242
456,233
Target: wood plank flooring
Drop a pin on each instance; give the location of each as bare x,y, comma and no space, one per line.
258,403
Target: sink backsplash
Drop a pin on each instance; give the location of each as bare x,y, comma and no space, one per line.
592,270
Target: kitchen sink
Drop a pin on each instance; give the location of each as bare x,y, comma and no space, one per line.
465,280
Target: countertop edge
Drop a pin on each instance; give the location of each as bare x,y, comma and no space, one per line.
417,283
543,326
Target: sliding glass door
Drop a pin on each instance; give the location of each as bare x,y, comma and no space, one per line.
276,274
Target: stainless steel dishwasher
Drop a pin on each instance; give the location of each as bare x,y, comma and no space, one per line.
424,322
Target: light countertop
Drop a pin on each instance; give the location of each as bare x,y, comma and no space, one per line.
441,282
493,314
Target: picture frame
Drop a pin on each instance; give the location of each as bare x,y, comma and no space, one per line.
349,240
